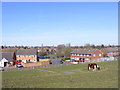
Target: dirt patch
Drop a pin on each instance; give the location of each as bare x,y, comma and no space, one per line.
69,72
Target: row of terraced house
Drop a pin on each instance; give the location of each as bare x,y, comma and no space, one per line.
91,54
31,55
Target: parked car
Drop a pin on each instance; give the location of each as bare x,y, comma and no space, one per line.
2,69
19,65
50,62
75,62
61,62
72,60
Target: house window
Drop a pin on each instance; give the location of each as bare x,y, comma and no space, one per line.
94,55
24,61
29,60
87,55
81,58
87,59
76,58
34,60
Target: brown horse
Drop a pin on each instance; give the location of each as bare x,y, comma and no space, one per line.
94,66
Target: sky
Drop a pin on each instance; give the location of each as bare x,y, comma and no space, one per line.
54,23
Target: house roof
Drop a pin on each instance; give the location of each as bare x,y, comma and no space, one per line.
84,51
110,49
26,52
4,60
8,55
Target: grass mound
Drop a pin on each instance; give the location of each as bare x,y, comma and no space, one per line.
107,77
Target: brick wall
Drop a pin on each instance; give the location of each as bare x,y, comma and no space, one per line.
44,60
35,64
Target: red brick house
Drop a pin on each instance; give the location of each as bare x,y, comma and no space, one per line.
27,55
111,52
86,54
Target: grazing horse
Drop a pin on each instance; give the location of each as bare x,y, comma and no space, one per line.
94,66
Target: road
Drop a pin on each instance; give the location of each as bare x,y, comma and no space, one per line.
55,63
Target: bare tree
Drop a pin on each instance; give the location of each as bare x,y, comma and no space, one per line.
63,50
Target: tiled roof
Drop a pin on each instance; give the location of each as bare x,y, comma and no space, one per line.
8,55
26,52
110,49
84,51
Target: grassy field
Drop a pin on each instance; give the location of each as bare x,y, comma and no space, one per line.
77,76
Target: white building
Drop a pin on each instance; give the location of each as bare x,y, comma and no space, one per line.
3,62
7,57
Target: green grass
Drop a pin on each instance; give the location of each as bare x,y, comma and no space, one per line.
107,77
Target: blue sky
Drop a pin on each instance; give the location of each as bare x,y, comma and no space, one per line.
54,23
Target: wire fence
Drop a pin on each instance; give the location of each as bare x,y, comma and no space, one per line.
103,59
